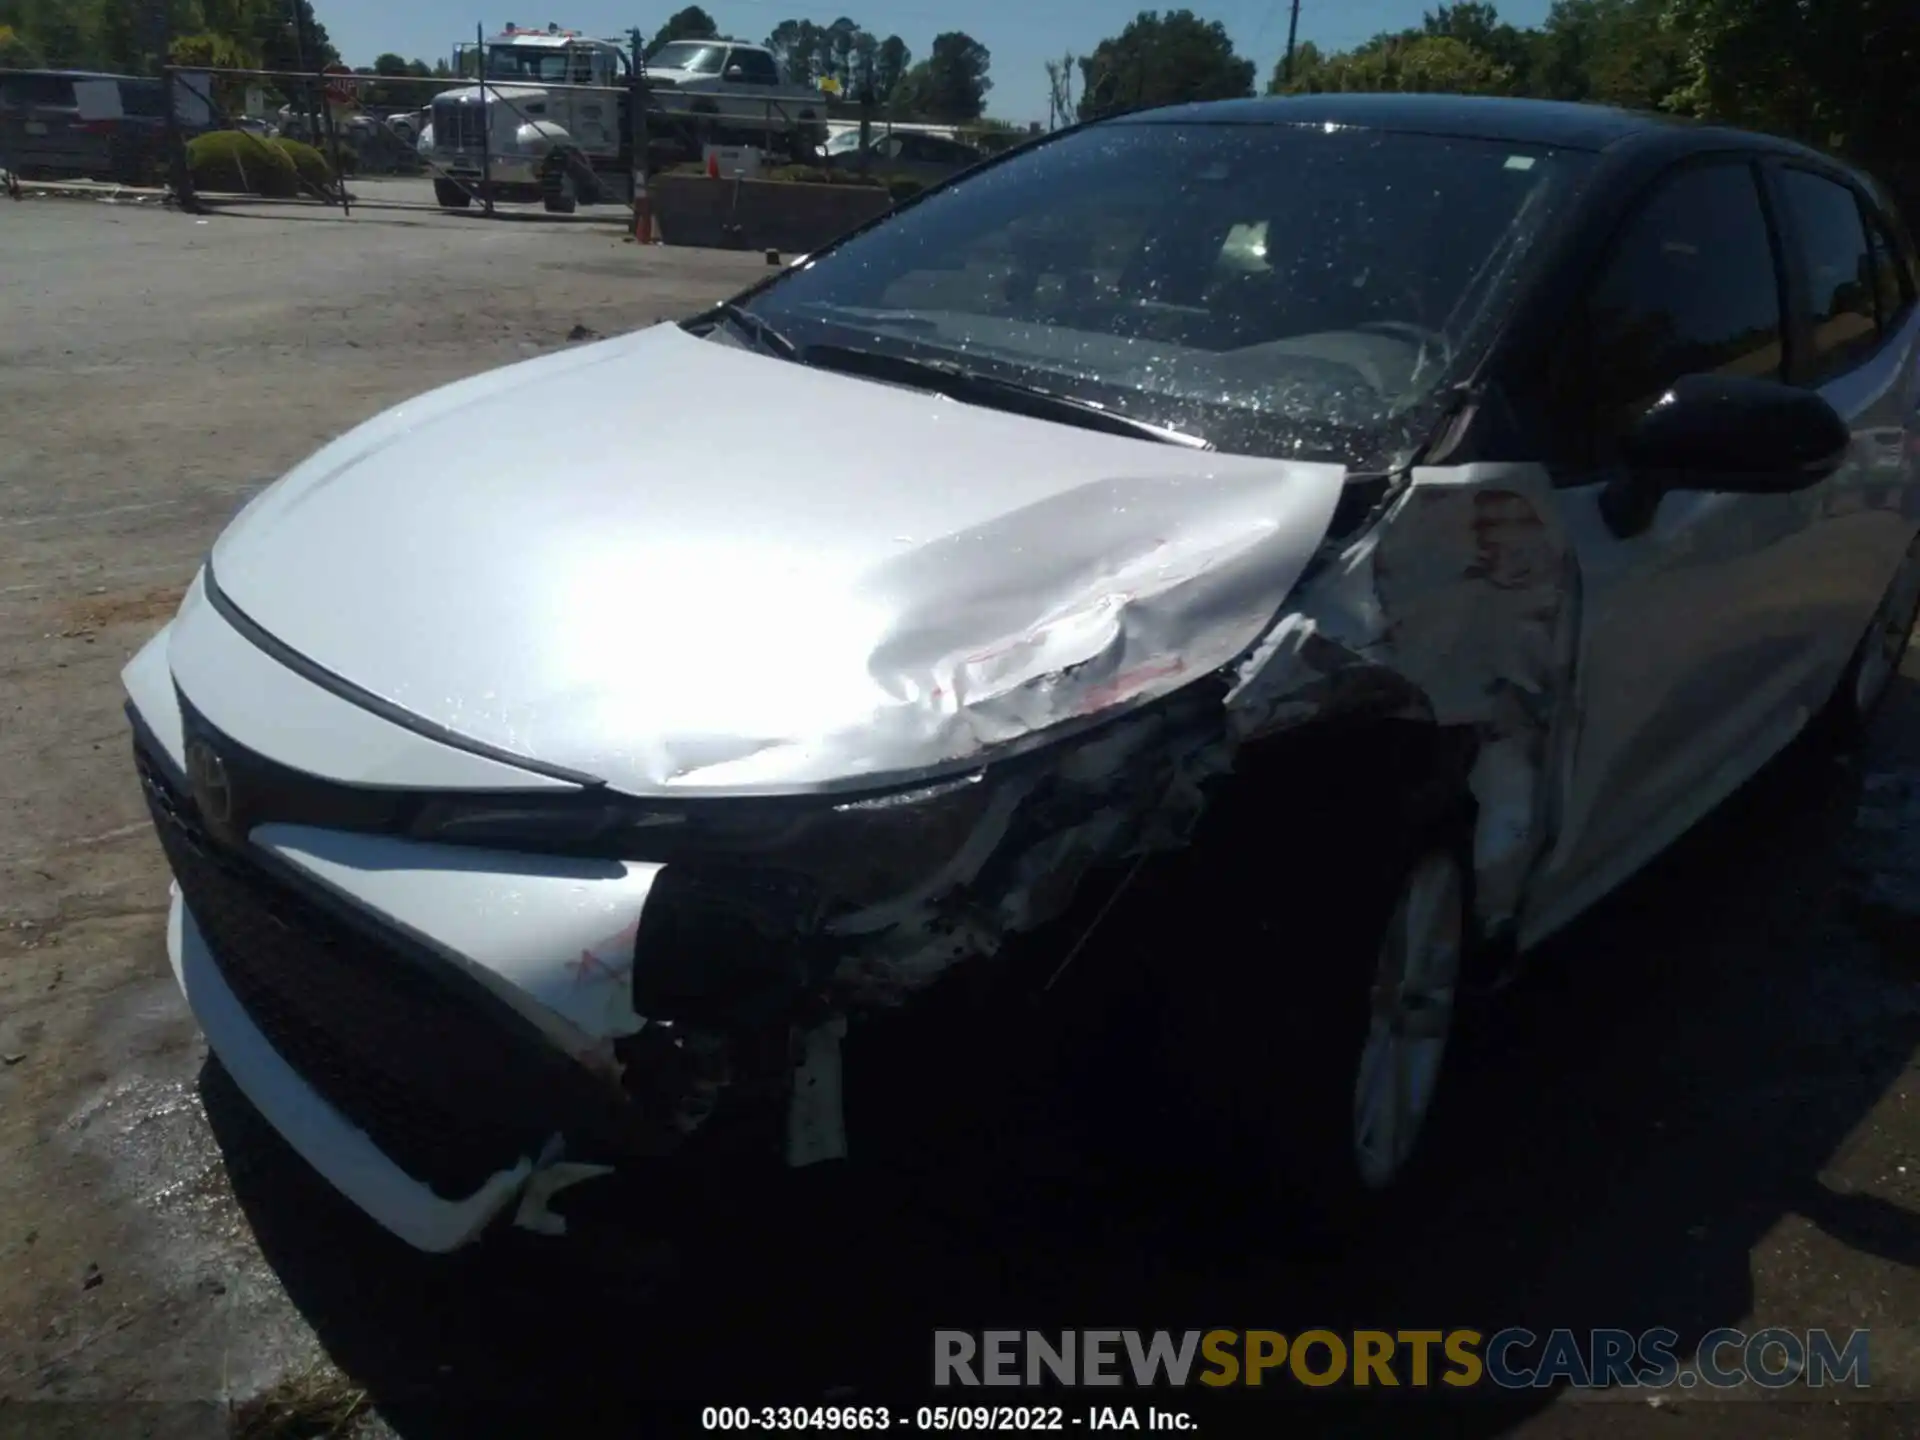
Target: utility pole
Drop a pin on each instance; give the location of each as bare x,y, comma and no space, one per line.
302,49
1293,31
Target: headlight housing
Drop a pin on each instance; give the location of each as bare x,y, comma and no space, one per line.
859,849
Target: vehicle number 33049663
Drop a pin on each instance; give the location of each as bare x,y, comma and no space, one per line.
764,1418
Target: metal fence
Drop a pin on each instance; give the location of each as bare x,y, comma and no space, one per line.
479,140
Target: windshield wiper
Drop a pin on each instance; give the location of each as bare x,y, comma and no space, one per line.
758,330
973,388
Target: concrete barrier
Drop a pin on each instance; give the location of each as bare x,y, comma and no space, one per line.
787,215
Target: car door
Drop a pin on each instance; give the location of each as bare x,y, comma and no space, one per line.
1853,305
1695,659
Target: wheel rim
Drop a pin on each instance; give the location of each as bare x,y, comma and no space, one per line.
1886,640
1415,981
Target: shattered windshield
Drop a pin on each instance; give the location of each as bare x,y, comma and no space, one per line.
1287,290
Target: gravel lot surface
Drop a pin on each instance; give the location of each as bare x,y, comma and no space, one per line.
1701,1110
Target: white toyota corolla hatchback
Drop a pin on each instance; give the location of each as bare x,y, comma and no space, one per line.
1512,479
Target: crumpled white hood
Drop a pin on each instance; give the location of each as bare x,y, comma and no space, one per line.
681,566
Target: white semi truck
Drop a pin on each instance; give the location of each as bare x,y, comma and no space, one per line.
529,135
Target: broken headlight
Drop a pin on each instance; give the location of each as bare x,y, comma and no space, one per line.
862,848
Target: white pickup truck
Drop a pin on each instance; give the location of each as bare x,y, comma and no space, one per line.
734,90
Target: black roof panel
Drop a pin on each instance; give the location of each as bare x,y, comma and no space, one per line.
1538,122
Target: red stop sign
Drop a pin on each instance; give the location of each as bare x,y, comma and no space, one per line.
340,84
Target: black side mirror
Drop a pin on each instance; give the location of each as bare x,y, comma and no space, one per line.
1726,433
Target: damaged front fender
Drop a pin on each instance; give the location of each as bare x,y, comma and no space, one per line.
1460,607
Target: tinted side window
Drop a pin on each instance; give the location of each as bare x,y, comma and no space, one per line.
145,98
27,90
1690,288
756,67
1839,264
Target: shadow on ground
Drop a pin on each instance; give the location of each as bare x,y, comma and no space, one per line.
1668,1084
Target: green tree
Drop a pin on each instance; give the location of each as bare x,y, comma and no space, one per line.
692,23
15,51
1160,60
396,67
890,63
1426,64
1307,63
843,42
951,84
802,50
216,52
1611,52
1476,24
1833,72
60,37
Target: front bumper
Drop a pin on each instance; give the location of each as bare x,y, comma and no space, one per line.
500,169
435,1029
426,1101
438,1029
331,1143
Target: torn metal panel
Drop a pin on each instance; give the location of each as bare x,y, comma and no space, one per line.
1133,789
1459,606
550,1176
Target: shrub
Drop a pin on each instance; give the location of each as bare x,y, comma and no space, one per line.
235,161
309,163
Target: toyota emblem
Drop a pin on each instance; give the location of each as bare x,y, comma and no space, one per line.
212,786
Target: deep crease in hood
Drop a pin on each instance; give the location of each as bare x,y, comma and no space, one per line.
684,567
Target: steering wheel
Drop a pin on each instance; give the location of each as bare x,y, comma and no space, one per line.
1427,340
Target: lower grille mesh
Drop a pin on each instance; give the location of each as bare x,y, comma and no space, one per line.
437,1077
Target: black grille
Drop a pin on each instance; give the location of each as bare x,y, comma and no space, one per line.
439,1076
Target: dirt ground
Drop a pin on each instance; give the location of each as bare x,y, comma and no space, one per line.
1700,1110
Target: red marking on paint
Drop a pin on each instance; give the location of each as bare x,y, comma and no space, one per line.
1128,682
1505,530
588,966
591,965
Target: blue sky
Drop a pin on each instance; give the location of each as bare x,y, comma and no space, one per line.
1022,34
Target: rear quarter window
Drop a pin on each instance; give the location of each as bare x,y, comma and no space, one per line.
1839,265
26,91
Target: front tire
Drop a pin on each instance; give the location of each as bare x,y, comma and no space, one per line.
451,195
1314,1060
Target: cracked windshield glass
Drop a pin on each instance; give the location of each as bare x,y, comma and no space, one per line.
1303,291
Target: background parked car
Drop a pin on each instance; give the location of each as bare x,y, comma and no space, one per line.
45,134
926,158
